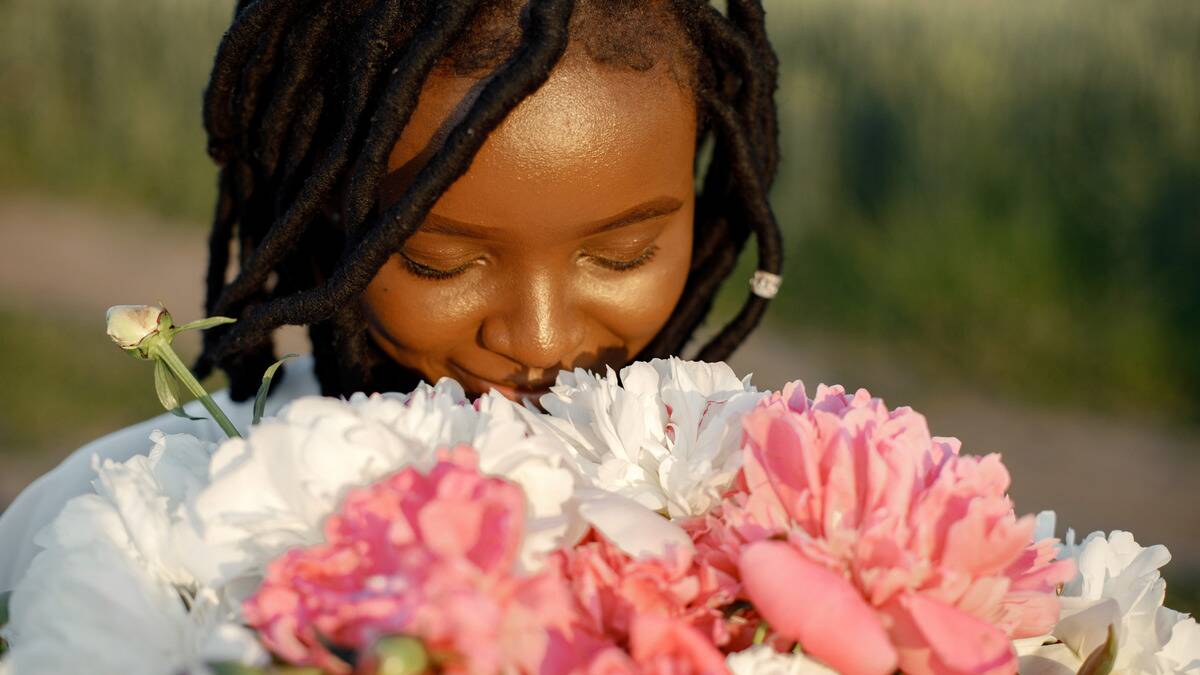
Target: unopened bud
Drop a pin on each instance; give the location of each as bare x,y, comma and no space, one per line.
130,325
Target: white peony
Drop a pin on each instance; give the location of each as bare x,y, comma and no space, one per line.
272,490
763,660
107,594
1117,583
145,493
666,434
147,575
1181,651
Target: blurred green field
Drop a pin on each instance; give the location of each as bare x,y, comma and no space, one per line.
102,100
1005,191
56,364
1010,189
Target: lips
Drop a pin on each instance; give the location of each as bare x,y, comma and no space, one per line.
513,390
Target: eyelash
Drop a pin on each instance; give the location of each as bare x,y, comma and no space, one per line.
626,265
427,272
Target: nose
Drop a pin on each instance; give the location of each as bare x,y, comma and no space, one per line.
539,326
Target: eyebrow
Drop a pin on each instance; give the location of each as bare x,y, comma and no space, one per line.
655,208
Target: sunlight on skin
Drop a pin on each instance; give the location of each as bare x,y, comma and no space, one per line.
566,244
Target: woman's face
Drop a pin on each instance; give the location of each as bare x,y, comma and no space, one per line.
566,244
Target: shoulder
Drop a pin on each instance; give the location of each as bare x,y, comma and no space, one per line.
43,499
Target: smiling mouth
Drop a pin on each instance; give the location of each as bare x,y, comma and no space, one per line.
513,391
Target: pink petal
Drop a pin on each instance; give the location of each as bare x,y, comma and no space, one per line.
611,661
822,610
451,528
936,639
665,646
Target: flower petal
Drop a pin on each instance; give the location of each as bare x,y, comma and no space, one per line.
937,639
633,528
823,611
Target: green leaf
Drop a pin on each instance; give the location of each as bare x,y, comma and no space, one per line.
205,324
164,386
5,597
260,401
1103,658
180,412
168,394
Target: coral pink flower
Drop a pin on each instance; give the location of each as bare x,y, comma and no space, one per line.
425,555
895,544
641,615
614,590
660,646
663,646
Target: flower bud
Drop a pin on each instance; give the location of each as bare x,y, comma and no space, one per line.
399,655
129,325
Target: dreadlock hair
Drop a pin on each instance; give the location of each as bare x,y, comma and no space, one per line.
308,97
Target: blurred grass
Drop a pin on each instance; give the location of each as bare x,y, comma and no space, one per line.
1183,591
58,364
102,100
1005,191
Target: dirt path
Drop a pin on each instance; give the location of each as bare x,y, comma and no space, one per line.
1094,470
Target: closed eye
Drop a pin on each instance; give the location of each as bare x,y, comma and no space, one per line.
427,272
625,265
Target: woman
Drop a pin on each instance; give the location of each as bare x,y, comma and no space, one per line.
486,190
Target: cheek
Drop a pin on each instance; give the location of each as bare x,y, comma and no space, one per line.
635,306
420,318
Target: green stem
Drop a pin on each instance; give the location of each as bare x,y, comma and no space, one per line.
180,371
760,633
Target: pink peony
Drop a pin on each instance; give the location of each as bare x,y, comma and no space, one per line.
876,546
673,647
613,589
430,556
642,615
660,646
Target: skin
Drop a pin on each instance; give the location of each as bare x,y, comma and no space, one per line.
566,244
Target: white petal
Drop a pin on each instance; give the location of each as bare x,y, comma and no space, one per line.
128,325
1182,651
1118,582
669,435
763,660
230,642
1030,645
1054,659
88,604
633,528
1044,525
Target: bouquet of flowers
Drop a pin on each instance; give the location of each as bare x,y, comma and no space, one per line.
669,518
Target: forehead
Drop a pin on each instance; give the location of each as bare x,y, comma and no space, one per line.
591,142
